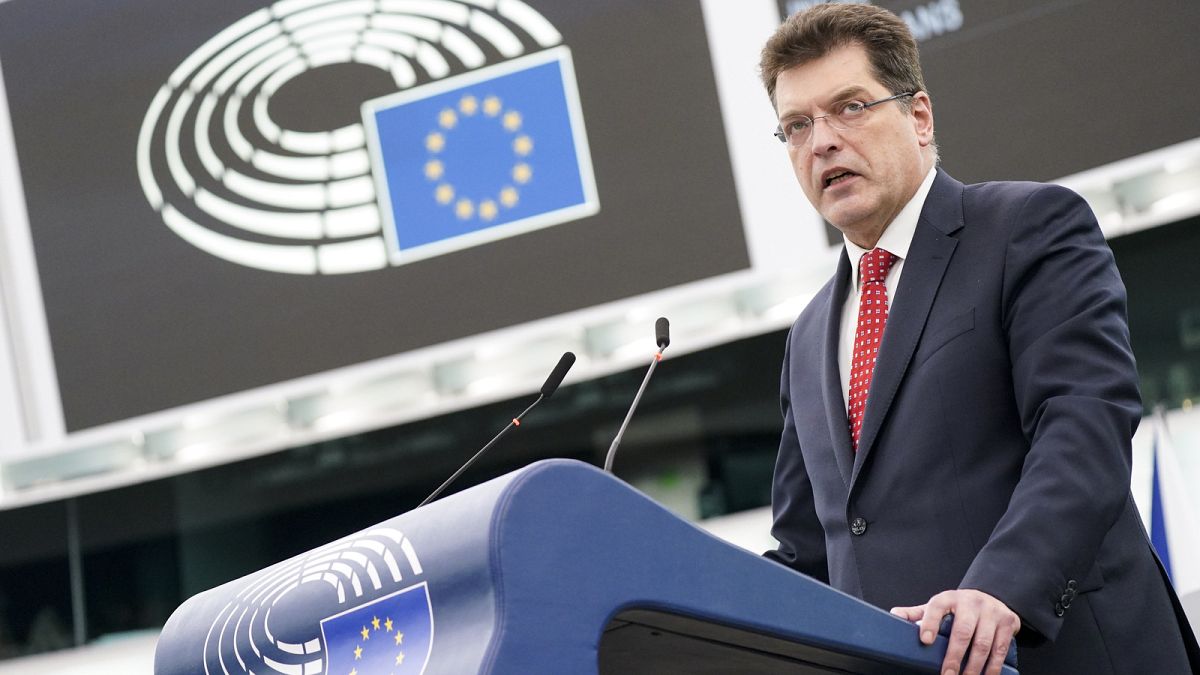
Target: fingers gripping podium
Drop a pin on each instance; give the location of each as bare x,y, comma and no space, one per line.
555,568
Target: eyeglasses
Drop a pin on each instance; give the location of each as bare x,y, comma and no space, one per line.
796,131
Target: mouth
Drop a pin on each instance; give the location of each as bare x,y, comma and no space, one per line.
835,176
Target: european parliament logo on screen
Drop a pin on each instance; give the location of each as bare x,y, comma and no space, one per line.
482,136
481,156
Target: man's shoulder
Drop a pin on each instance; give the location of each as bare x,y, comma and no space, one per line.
999,207
1014,193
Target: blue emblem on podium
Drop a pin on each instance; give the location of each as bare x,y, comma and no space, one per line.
392,635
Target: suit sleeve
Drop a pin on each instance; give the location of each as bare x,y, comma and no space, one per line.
796,526
1075,383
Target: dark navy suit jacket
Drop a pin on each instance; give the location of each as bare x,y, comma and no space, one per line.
995,449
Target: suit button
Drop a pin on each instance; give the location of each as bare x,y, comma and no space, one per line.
1065,600
858,527
1059,610
1071,584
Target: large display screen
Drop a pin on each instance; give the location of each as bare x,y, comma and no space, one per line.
226,194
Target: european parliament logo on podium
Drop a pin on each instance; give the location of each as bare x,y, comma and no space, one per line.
393,634
481,156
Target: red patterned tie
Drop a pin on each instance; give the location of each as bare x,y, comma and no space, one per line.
872,315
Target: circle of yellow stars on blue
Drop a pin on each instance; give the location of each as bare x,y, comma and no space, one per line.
488,208
366,632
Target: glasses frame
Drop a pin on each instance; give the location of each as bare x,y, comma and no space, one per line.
866,106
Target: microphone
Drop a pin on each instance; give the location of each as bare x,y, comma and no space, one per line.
662,336
547,390
556,376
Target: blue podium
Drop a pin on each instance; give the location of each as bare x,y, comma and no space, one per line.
555,568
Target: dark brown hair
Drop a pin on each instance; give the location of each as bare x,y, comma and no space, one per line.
814,32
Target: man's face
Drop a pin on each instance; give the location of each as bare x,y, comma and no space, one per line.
884,159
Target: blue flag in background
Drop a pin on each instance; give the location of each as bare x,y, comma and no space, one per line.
1158,522
1173,521
391,635
481,156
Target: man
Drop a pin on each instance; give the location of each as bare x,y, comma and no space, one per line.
959,398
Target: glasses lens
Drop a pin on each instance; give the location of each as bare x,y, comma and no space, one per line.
851,114
796,131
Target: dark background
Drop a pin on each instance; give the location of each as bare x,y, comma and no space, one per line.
141,321
1039,90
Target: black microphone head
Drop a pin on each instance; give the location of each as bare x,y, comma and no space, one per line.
557,375
662,332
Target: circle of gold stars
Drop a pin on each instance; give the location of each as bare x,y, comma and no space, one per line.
366,632
488,208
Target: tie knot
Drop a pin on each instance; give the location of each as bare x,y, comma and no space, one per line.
874,265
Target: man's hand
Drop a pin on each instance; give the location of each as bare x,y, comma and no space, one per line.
982,624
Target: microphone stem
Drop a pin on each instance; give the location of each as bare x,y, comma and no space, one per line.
516,422
612,449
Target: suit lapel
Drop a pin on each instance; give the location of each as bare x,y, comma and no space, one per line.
928,257
835,400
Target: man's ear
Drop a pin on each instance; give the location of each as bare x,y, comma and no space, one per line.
922,114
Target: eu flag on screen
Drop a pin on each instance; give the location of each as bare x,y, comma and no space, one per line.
391,635
481,156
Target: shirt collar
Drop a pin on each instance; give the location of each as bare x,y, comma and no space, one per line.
898,235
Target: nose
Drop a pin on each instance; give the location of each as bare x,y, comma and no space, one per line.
825,138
